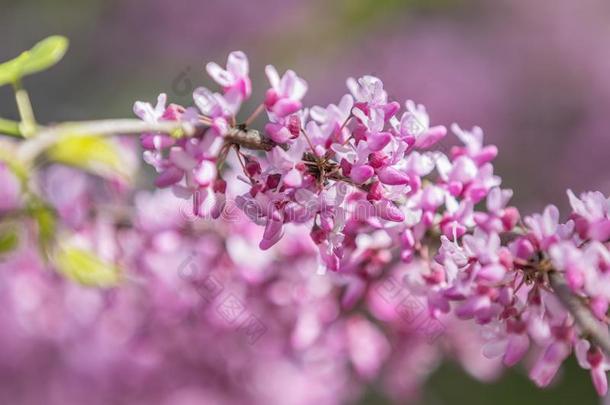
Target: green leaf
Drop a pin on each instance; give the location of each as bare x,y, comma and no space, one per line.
96,154
8,240
10,71
43,55
86,268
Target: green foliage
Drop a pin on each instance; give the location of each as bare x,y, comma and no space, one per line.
43,55
86,268
46,222
90,152
9,240
96,154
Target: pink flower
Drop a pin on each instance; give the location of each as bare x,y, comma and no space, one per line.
512,344
284,97
569,259
367,346
358,191
155,142
545,227
415,127
473,142
218,107
368,90
591,358
235,77
284,163
591,215
373,124
498,217
147,112
331,119
548,363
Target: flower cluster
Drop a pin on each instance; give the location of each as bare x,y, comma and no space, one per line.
229,323
373,188
507,287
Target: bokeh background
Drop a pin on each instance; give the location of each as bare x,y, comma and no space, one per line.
534,74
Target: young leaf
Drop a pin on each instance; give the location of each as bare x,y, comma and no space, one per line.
10,71
43,55
8,240
86,268
96,154
47,225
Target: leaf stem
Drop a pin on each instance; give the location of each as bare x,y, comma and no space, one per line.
28,122
10,128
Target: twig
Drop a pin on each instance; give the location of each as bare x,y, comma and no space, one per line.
48,136
313,150
255,114
249,139
589,325
117,127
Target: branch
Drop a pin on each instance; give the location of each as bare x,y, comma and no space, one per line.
116,127
249,138
48,136
583,317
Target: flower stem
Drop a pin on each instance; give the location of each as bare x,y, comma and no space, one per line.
313,150
255,114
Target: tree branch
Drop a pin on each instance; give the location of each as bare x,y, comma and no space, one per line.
249,138
583,317
48,136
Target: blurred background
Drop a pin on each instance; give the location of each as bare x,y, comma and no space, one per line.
534,74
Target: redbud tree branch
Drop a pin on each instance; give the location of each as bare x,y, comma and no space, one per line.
589,325
249,139
47,136
254,140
